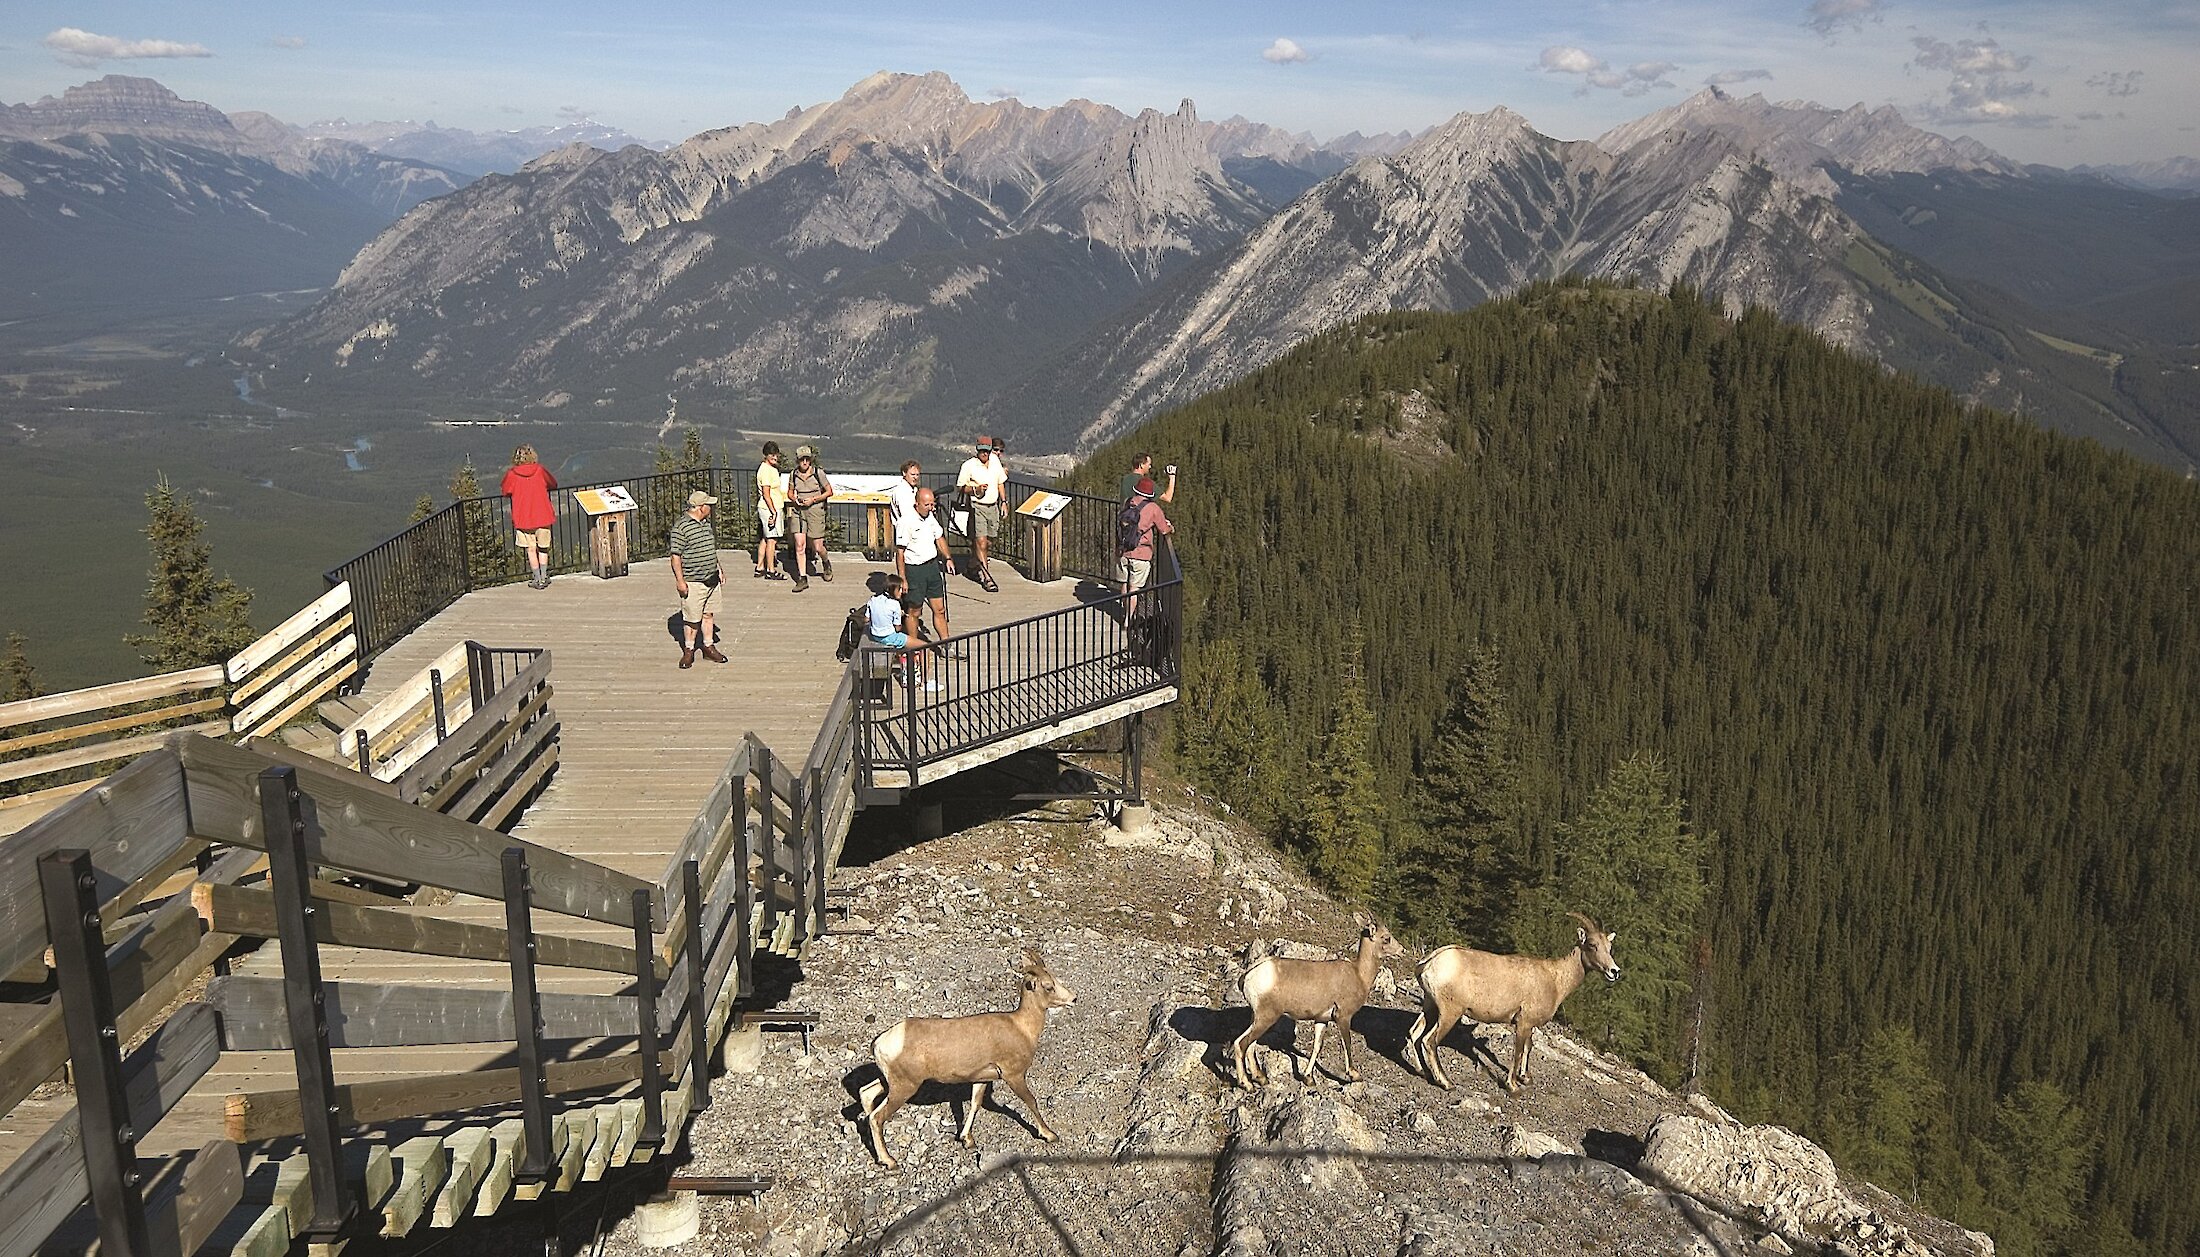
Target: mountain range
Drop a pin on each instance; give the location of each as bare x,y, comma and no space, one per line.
905,259
472,153
121,192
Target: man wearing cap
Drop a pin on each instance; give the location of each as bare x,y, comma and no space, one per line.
901,505
695,578
807,491
982,479
1136,564
771,516
925,561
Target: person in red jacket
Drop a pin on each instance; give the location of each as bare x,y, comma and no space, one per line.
528,484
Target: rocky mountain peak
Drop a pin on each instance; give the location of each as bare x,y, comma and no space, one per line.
1794,138
121,104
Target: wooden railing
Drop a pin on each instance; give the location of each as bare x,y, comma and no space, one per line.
55,747
749,871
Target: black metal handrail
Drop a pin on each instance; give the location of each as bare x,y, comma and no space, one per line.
976,689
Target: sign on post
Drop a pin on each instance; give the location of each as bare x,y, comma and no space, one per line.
1042,513
610,525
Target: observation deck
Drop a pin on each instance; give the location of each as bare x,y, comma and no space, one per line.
515,766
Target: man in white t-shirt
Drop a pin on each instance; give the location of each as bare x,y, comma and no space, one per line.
901,506
982,478
925,562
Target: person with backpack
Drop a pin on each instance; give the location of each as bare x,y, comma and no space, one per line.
1135,525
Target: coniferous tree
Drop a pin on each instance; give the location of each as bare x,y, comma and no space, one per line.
1457,869
2034,1169
18,679
193,617
1631,862
1236,753
1340,825
490,556
1886,1097
423,507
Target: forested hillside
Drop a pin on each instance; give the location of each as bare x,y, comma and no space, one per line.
1634,591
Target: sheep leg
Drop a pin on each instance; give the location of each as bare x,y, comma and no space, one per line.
1527,1053
896,1096
1414,1051
1022,1089
1432,1044
1344,1036
1314,1060
970,1115
1515,1076
1251,1039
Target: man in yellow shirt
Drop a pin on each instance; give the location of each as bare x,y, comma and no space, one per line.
771,513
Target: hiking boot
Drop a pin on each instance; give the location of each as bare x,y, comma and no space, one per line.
825,569
801,583
711,653
687,657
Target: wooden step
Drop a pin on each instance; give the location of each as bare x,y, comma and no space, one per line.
312,739
336,713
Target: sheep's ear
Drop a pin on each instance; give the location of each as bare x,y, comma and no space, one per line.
1611,936
1581,935
1361,919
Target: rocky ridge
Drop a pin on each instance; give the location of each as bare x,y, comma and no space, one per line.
1160,1153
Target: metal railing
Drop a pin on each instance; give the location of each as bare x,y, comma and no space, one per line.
405,580
976,689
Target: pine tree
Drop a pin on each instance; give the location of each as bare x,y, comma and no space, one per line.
1631,862
1885,1102
1231,748
1457,870
423,507
194,617
1340,825
18,679
2034,1168
490,558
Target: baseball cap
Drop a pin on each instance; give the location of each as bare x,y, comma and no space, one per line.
985,442
700,498
1145,487
804,451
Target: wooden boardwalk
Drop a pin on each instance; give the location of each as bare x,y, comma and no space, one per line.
641,742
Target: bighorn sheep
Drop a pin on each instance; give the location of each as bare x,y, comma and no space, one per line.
1524,991
981,1050
1325,992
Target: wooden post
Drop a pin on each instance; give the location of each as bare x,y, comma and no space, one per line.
763,759
744,894
691,886
645,1001
534,1099
816,846
95,1050
878,532
1044,545
290,874
608,535
798,829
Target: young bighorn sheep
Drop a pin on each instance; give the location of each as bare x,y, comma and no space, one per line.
1325,992
1523,991
981,1049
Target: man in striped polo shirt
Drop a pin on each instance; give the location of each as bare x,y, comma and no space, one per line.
695,577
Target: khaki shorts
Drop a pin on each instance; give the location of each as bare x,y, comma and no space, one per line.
809,520
524,537
985,521
774,523
701,600
1133,572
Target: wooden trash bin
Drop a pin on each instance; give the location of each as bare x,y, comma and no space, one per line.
1042,516
610,528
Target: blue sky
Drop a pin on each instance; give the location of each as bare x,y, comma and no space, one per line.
2061,83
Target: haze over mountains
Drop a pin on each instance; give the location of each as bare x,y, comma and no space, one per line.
905,258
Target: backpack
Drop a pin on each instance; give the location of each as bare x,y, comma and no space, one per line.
1126,524
851,633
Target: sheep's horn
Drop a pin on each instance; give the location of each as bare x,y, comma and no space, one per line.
1586,923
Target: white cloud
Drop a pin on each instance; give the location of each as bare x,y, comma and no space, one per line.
1284,52
1596,72
2118,82
1725,77
289,41
1829,16
83,48
1003,93
1982,82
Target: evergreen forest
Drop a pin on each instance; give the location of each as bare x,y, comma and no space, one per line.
1867,717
